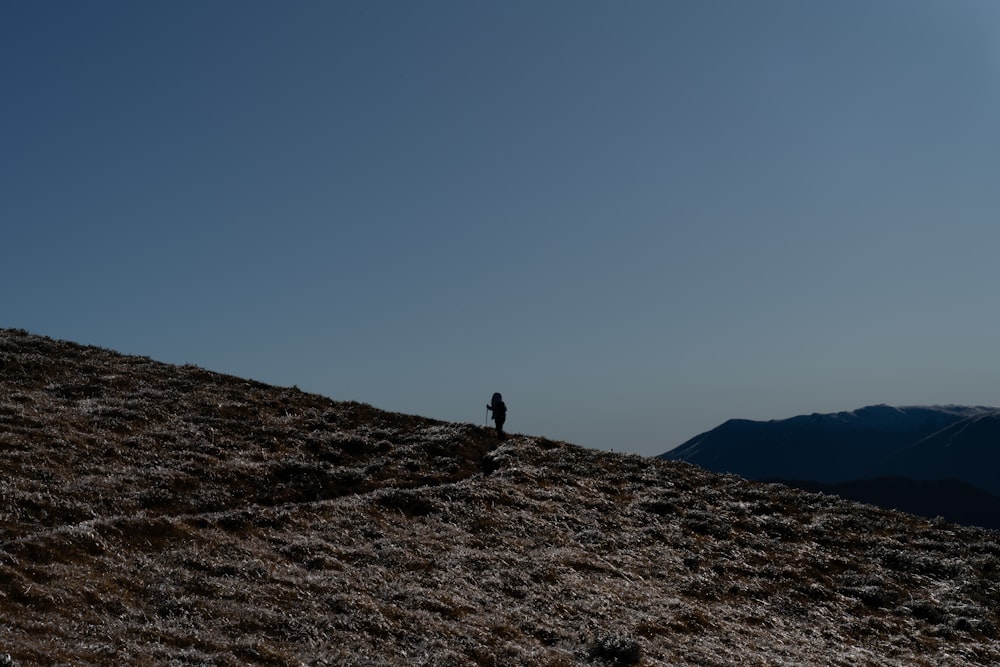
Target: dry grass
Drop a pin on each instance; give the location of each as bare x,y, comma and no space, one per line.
154,515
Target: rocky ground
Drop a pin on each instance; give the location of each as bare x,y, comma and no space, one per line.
160,515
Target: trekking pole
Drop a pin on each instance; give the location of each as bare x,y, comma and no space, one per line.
487,419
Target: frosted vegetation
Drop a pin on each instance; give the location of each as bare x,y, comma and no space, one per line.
154,514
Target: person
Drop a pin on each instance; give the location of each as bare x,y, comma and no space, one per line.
499,411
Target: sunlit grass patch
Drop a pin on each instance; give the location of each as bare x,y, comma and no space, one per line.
157,514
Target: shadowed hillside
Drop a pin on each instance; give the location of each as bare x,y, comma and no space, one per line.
154,514
949,499
934,461
834,447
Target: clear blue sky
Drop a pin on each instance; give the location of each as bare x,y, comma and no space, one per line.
634,219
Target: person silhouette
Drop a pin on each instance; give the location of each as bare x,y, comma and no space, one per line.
499,410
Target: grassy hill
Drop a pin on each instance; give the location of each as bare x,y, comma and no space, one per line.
153,514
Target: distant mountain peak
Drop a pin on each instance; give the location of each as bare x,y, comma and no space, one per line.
914,441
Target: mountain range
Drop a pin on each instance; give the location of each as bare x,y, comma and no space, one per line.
940,460
154,514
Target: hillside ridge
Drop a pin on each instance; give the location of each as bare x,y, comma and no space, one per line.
115,413
156,514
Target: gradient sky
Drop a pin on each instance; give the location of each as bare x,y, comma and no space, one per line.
634,219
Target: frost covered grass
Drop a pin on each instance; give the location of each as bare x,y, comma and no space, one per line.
155,514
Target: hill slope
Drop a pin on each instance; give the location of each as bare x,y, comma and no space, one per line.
155,514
